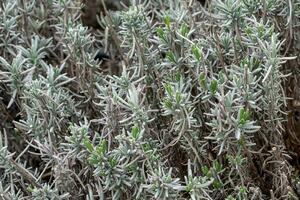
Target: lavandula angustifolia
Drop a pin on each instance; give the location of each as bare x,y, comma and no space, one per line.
46,192
162,185
5,156
195,185
255,76
10,192
119,168
14,74
188,116
131,152
8,30
37,52
78,45
177,104
47,103
75,143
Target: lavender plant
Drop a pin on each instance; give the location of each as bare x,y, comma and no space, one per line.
188,100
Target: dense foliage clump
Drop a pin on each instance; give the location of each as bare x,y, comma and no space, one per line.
163,99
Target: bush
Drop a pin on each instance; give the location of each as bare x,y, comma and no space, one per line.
165,100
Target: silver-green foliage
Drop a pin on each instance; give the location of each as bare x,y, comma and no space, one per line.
198,96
